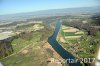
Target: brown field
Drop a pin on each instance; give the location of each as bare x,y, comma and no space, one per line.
73,37
80,32
62,39
69,29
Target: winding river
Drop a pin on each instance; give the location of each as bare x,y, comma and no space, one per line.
58,48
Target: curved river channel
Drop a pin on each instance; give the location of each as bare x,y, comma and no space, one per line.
58,48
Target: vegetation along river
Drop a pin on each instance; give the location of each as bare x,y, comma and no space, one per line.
58,48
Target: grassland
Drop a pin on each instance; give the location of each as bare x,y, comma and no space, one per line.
34,57
28,49
20,43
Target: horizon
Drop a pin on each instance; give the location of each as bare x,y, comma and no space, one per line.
46,10
24,6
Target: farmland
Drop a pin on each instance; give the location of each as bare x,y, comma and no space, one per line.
70,34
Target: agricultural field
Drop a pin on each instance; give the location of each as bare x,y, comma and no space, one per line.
71,38
71,34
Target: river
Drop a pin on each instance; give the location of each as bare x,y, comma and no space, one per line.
58,48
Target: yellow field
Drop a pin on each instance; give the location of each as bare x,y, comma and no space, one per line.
72,37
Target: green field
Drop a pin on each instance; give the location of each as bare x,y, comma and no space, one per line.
34,57
70,34
71,40
20,43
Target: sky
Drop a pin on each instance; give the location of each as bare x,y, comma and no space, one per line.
21,6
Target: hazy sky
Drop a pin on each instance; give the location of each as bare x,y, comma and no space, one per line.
18,6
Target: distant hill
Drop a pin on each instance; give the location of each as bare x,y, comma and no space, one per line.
51,12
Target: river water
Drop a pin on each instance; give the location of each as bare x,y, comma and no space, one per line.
58,48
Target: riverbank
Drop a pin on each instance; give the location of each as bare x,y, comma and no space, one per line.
58,48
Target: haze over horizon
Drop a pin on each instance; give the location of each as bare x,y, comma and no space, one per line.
21,6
